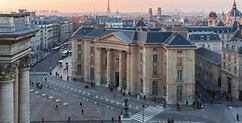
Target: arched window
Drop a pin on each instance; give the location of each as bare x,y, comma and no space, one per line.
79,69
179,92
141,85
155,87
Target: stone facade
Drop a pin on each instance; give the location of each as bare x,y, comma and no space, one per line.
231,69
14,66
208,64
137,68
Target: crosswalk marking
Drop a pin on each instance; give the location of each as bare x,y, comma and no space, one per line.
38,73
147,113
176,121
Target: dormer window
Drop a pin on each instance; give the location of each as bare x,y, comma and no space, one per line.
201,38
208,37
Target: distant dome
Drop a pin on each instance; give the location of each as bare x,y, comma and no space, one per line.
233,15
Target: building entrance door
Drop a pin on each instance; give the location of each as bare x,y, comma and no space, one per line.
240,95
229,84
117,79
219,81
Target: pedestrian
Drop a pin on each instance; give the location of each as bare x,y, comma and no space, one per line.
45,79
211,102
56,107
82,111
80,104
42,120
168,121
119,118
114,96
69,119
236,105
172,121
237,116
112,120
144,98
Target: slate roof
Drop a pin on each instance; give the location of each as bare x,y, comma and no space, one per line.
220,23
196,36
82,31
164,38
238,34
216,29
140,23
178,41
209,55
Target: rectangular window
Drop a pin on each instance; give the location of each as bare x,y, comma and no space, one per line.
224,65
224,56
141,69
154,70
179,51
141,57
235,70
179,74
235,60
91,49
154,49
79,56
154,58
92,73
179,61
229,69
211,75
229,57
91,59
79,47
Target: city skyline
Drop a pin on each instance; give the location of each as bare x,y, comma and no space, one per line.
101,5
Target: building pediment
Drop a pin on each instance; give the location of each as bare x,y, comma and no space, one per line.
113,39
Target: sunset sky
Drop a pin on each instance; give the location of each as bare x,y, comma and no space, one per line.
121,5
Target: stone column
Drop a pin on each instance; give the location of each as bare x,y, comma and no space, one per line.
24,106
15,92
85,55
109,66
98,66
6,92
121,71
128,72
133,68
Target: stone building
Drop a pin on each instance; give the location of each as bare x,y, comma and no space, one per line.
212,19
233,15
207,66
153,64
15,49
231,69
209,40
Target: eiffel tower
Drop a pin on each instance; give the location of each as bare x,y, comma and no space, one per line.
108,9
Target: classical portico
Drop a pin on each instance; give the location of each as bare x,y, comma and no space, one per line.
15,59
113,65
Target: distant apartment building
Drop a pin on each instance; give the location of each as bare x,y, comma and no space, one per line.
207,66
108,22
153,64
53,31
231,69
209,40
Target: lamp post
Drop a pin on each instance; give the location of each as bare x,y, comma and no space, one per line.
143,112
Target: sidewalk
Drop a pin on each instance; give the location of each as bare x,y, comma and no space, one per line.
133,100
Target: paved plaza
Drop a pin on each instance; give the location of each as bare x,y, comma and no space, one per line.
105,105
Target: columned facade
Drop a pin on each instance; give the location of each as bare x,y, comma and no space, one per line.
14,67
141,66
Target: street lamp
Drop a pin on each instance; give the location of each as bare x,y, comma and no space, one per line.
143,112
